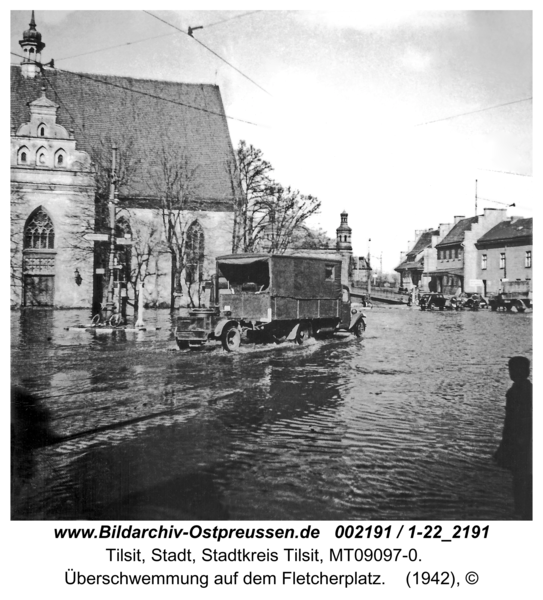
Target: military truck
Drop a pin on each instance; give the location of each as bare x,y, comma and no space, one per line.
513,295
272,298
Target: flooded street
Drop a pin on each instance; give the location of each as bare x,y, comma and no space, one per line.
400,424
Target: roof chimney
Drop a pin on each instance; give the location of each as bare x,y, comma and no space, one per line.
459,218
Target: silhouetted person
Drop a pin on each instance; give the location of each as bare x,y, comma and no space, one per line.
515,450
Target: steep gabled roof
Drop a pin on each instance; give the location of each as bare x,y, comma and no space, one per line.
508,231
103,109
424,241
456,234
410,265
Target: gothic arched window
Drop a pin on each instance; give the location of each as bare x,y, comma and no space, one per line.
23,155
41,156
195,252
39,233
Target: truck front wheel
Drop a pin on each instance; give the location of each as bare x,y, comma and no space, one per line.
231,338
303,334
359,328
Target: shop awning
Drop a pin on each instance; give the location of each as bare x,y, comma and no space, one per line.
441,272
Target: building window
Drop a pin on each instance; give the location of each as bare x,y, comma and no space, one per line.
195,252
329,273
42,131
502,260
483,262
59,158
528,259
39,233
456,253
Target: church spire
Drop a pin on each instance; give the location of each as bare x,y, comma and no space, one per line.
32,46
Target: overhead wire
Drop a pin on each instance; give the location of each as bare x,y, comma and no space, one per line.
155,96
504,172
504,203
252,12
208,49
472,112
116,46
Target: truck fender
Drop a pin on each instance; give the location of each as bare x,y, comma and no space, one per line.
355,318
221,325
292,335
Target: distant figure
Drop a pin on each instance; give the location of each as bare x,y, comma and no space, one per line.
515,450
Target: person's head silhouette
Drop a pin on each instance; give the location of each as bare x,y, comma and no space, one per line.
519,368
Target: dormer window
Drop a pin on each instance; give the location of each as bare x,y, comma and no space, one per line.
60,158
22,156
42,131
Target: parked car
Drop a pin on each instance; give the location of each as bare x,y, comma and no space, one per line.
272,298
432,301
470,301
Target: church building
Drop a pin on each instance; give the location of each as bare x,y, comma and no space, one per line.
173,183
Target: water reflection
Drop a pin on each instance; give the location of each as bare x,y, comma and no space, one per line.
401,424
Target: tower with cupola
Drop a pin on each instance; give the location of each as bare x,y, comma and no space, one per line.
343,235
31,46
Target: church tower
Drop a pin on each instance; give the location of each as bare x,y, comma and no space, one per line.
343,235
32,46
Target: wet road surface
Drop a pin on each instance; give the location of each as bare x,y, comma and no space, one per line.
398,425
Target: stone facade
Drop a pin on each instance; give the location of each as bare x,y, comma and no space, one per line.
504,254
57,189
456,269
52,197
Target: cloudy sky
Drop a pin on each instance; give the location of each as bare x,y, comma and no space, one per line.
359,108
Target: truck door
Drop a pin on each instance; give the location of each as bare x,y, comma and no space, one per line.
345,308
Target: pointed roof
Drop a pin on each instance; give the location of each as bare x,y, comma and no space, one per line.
514,229
425,240
32,35
43,101
457,233
145,116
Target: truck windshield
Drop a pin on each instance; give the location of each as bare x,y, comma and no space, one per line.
251,276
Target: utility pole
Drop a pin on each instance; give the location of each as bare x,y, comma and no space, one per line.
476,197
112,205
369,270
108,306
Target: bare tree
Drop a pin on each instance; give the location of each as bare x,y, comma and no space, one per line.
16,238
267,214
286,211
311,238
195,275
174,188
136,258
250,175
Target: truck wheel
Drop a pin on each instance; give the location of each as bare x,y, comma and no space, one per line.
359,328
302,334
231,338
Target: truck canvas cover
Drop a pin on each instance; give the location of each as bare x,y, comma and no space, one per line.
297,277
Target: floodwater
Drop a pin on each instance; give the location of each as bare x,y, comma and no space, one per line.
400,424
